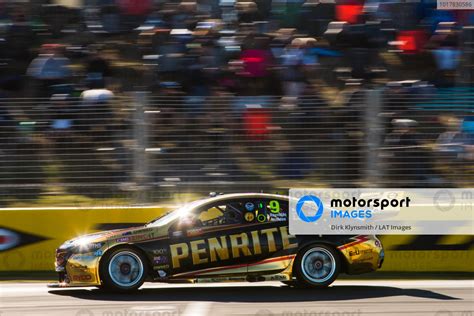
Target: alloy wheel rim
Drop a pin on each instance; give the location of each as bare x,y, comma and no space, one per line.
318,265
125,269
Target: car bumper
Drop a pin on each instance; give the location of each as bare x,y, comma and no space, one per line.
364,254
78,270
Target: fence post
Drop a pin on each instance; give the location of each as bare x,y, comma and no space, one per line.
140,163
374,132
465,73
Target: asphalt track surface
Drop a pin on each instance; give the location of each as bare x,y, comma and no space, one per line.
344,298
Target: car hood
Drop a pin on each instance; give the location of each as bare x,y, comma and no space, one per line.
98,237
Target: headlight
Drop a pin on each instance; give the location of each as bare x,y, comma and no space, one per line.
82,244
86,245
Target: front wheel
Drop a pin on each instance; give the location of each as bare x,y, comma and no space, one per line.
317,266
123,269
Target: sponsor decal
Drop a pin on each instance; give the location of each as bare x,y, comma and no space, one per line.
279,217
160,259
261,218
94,246
194,232
162,267
135,238
142,237
161,251
221,279
178,233
276,277
274,206
233,246
81,278
249,206
10,239
162,273
354,252
249,216
84,257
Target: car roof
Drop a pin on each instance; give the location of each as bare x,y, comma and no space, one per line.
223,197
246,195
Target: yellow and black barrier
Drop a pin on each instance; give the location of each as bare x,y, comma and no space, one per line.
428,253
29,237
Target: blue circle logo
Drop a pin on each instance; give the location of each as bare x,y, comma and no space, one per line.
316,201
249,206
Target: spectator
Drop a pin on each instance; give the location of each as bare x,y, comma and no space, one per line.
447,58
50,68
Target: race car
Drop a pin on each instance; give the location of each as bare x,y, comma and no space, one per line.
232,237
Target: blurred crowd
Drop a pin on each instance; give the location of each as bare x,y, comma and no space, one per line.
203,48
83,57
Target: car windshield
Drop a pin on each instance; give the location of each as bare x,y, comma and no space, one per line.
174,214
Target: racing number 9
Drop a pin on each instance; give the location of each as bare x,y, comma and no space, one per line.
274,206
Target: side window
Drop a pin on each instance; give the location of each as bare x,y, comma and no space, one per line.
265,210
243,211
225,213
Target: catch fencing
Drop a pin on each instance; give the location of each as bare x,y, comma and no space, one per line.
141,148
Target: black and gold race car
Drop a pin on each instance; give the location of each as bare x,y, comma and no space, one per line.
233,237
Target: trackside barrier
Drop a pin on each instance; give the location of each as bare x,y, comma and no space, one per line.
428,253
38,232
29,237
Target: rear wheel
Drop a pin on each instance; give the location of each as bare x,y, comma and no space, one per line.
123,269
317,266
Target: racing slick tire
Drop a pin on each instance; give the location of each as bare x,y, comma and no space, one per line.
123,269
316,266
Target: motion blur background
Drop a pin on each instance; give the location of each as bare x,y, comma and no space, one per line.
123,102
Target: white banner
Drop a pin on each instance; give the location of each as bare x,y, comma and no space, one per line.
381,211
455,4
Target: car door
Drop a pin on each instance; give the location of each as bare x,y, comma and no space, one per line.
210,241
276,246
